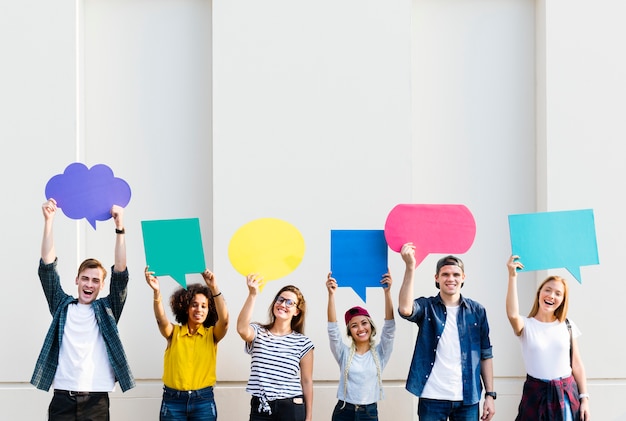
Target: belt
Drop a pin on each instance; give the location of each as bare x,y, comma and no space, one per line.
354,407
180,393
75,393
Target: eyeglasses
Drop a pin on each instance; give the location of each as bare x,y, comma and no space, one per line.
282,300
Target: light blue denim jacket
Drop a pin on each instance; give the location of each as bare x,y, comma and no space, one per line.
430,315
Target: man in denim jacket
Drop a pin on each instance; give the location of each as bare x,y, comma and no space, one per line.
453,352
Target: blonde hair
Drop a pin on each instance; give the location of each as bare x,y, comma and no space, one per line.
561,311
351,356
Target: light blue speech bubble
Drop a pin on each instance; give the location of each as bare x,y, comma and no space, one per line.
173,247
358,258
548,240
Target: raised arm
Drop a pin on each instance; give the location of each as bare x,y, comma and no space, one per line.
386,282
331,286
48,252
221,327
165,326
512,302
405,300
245,315
117,212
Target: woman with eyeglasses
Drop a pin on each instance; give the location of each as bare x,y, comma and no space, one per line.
362,362
281,369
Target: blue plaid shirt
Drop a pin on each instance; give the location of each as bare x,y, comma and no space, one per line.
430,315
107,311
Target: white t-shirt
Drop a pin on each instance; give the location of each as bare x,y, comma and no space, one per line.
446,378
83,360
545,348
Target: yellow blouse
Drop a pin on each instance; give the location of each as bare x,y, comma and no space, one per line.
189,362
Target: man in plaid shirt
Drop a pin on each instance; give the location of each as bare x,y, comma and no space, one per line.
82,354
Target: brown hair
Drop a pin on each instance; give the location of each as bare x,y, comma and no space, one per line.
92,264
297,321
561,311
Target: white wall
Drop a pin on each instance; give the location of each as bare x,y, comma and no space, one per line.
584,102
325,114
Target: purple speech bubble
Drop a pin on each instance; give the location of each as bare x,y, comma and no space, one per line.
81,192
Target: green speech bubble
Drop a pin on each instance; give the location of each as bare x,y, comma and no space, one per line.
173,247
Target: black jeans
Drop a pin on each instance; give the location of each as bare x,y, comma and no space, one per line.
290,409
79,406
349,412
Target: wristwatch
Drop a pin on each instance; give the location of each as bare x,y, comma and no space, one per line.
494,395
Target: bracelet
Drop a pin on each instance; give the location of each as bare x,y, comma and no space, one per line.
583,395
122,231
217,295
158,300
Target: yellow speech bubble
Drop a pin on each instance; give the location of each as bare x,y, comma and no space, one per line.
269,247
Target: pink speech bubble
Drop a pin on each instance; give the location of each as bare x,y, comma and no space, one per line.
448,229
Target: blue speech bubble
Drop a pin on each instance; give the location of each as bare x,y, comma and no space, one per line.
548,240
173,247
81,192
358,258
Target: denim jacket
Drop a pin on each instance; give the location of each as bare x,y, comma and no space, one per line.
430,315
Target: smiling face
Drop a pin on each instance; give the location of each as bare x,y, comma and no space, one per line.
360,329
90,282
550,296
286,306
198,309
450,279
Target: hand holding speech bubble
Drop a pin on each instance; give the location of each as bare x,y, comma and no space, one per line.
358,259
173,247
270,247
88,193
431,228
548,240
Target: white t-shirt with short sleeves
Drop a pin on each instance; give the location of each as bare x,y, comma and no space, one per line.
546,348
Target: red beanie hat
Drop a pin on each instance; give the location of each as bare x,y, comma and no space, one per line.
356,311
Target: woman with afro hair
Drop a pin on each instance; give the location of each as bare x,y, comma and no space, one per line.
190,355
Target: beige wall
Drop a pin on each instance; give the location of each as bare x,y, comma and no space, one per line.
325,114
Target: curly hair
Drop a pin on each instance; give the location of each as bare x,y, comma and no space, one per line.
181,300
297,321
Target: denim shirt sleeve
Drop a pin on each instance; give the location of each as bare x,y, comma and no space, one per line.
418,311
486,350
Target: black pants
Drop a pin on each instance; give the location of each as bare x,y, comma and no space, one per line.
290,409
79,406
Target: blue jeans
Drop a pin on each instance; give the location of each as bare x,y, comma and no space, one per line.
350,412
189,405
438,410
